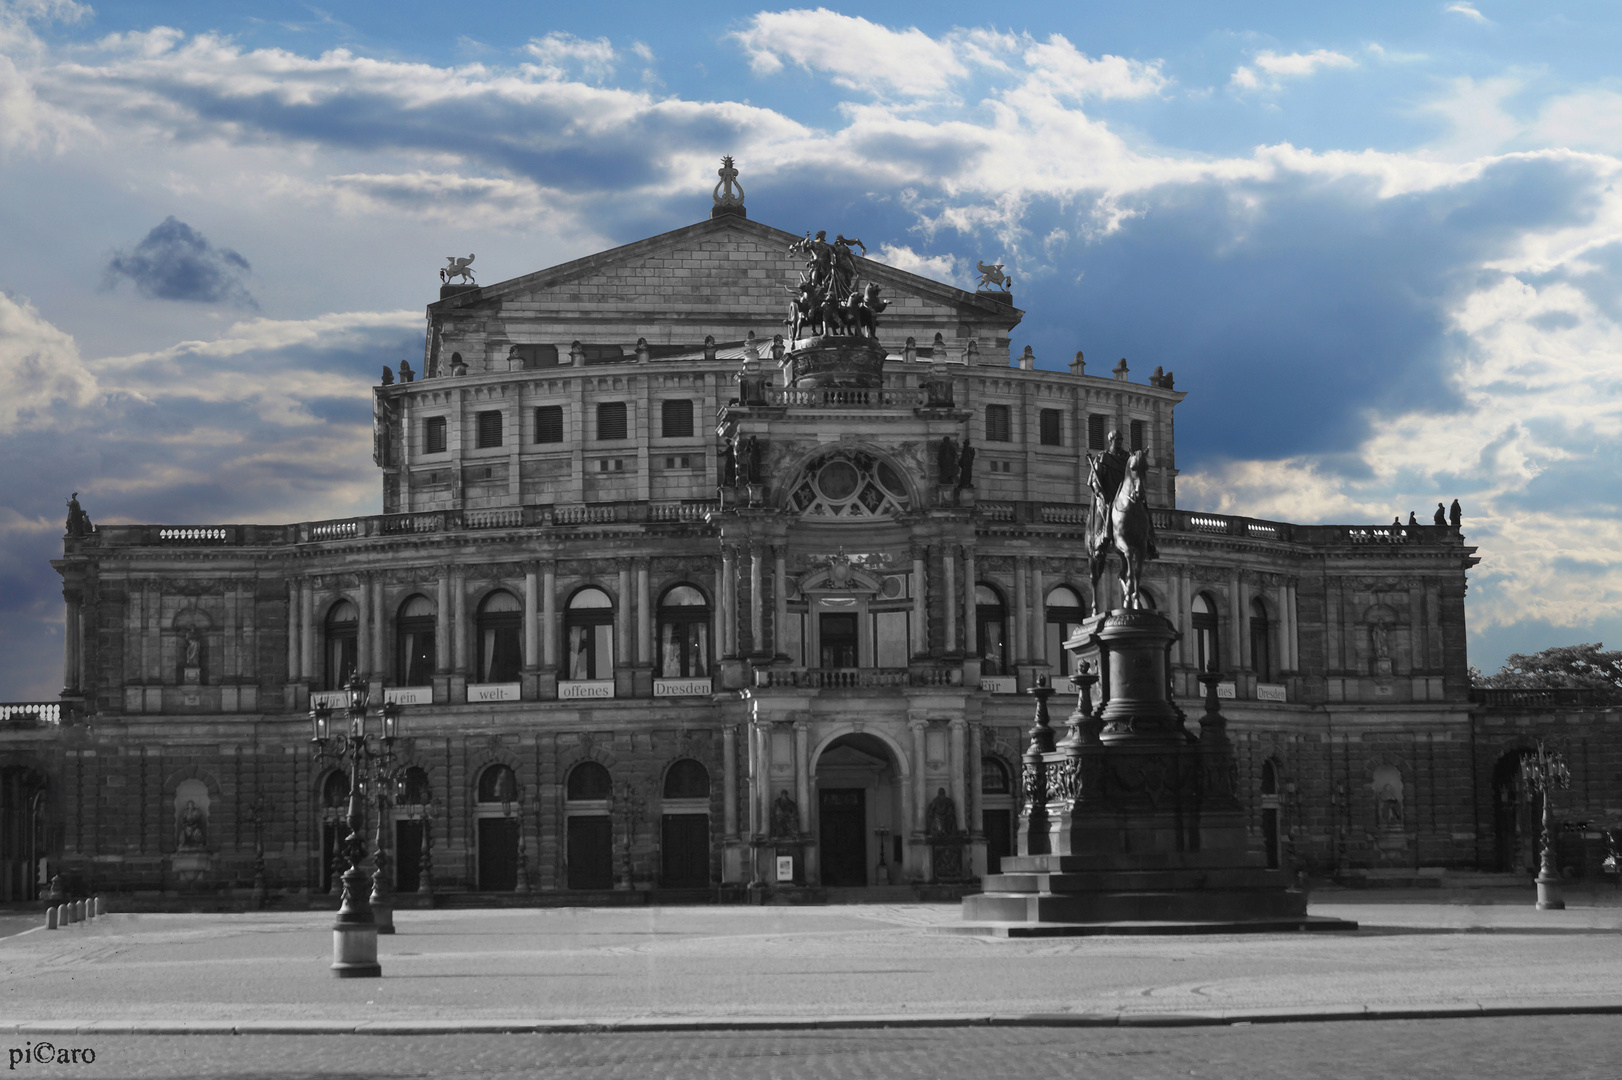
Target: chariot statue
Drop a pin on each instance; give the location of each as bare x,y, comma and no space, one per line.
828,298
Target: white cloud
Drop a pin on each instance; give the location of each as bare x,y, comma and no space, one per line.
1467,10
856,53
1286,65
1071,73
938,267
560,55
40,369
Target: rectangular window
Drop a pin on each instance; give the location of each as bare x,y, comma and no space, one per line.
434,435
549,423
611,420
489,429
1097,437
997,426
677,419
1052,427
1137,435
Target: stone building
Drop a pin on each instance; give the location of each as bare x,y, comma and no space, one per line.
658,616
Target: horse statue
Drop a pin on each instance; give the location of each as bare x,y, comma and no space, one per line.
993,277
802,310
457,268
861,310
1133,530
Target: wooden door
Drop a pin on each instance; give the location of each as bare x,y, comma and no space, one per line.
591,852
498,854
685,851
407,855
843,835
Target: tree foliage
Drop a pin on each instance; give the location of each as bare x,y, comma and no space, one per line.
1574,667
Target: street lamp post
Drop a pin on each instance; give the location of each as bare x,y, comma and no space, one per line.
1543,770
369,747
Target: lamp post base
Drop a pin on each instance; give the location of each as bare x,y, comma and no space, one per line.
383,915
354,951
1551,896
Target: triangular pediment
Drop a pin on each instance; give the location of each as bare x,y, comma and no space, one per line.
723,278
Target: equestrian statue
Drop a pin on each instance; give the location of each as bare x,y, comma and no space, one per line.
1119,521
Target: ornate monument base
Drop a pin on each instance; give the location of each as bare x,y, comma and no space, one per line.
1132,822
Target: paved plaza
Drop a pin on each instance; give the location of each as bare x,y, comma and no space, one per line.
1436,984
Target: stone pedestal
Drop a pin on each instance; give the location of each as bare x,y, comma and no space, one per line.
1133,818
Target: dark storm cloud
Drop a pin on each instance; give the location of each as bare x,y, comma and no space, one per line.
176,262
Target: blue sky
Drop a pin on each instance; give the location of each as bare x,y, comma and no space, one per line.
1378,244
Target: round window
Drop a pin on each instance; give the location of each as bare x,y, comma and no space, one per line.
837,481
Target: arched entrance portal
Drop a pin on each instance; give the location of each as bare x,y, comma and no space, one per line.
1513,816
860,824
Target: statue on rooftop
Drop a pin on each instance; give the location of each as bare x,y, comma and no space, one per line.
457,268
406,374
726,201
1440,517
1455,515
992,277
78,520
388,375
828,298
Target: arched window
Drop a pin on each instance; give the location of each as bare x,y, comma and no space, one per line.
1205,631
687,779
1065,612
414,630
588,781
501,630
1261,642
684,634
589,623
497,784
413,788
343,643
994,777
991,627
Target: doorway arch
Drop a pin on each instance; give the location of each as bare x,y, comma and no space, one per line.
861,809
1513,826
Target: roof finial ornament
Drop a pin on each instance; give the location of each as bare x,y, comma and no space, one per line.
726,201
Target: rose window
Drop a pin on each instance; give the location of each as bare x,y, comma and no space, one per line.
848,484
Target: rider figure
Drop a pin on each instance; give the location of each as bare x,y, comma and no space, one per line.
1109,470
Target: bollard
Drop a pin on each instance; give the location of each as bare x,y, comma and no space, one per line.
101,906
50,918
78,911
90,908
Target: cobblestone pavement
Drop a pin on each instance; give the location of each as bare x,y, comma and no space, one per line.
860,961
1523,1048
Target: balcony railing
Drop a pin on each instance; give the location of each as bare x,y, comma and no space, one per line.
1534,698
836,398
30,712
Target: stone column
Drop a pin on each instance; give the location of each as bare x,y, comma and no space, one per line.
442,624
293,623
920,782
949,595
957,730
644,616
971,629
380,626
779,599
363,630
1185,616
973,815
622,619
71,643
1039,617
729,782
761,787
729,600
1019,625
532,617
550,623
920,612
1286,630
307,631
802,773
1236,656
1246,657
757,613
460,631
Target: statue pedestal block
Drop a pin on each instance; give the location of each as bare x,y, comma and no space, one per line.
1140,824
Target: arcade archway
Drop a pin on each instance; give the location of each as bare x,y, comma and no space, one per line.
860,825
